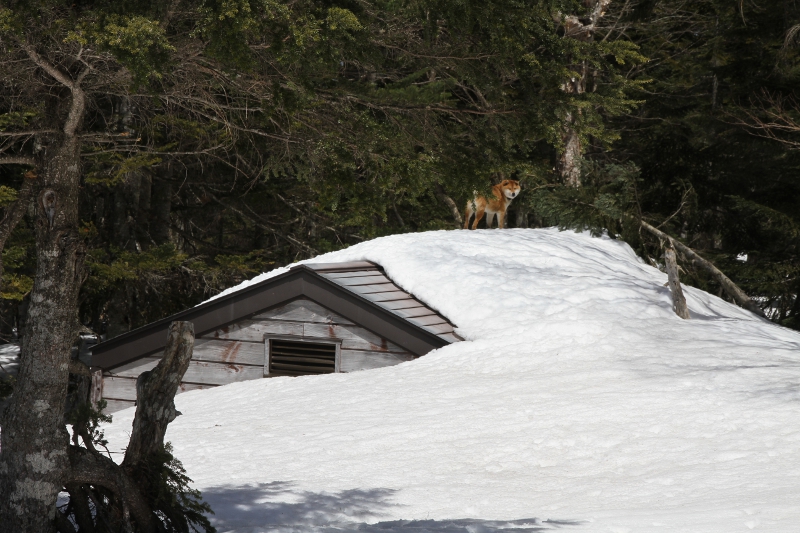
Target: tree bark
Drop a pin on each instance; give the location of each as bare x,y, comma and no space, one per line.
34,439
446,200
678,300
522,217
130,482
161,206
88,468
730,288
83,511
126,210
569,161
155,394
143,216
582,29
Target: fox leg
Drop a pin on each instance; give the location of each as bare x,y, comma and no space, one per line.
489,218
467,215
501,219
478,217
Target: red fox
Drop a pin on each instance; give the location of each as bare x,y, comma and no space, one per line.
503,192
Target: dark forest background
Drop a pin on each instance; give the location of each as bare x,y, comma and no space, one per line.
229,138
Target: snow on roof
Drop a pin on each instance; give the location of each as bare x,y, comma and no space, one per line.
369,281
578,396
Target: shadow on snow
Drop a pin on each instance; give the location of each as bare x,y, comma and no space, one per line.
278,507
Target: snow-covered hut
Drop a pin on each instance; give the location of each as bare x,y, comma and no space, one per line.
315,318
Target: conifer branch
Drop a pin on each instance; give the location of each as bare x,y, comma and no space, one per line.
14,212
24,133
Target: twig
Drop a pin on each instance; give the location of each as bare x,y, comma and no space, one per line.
17,160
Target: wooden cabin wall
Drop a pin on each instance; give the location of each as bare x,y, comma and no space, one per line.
361,349
237,352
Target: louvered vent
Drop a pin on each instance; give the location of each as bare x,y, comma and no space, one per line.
289,358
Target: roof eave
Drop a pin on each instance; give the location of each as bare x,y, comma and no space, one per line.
300,281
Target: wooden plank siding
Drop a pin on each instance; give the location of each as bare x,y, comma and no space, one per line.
199,372
356,360
222,351
254,330
303,311
112,406
117,388
353,337
237,352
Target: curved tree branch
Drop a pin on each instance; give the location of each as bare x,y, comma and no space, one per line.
17,160
733,290
78,106
89,468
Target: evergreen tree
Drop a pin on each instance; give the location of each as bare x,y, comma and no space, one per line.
156,132
699,163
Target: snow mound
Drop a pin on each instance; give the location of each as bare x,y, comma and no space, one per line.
578,401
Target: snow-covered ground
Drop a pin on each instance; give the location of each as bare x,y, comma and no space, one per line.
9,366
578,397
9,359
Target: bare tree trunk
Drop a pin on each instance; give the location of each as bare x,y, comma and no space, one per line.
143,216
126,230
730,288
582,29
155,395
34,440
126,210
161,206
446,200
522,217
569,161
678,300
92,469
131,483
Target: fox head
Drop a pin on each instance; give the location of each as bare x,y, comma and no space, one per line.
510,188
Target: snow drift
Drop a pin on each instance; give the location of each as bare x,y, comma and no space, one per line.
578,401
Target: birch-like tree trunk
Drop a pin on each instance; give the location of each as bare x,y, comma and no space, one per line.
583,29
569,160
451,205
